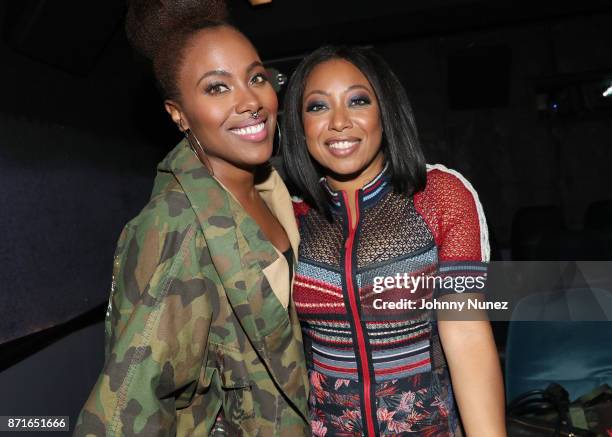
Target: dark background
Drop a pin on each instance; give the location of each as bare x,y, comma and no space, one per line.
506,92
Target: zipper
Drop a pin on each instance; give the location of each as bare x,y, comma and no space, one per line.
348,267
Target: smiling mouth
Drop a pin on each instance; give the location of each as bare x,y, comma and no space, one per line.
249,130
342,145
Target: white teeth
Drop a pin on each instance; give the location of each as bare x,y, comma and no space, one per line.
250,130
343,144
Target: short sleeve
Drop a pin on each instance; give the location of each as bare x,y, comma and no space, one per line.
451,208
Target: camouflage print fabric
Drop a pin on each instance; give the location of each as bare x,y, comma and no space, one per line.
193,324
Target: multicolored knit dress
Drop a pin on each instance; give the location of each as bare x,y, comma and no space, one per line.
377,369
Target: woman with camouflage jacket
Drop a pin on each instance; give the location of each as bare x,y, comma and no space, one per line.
199,322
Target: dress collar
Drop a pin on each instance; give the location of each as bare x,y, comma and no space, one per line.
370,193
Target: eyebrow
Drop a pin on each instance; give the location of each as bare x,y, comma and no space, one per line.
221,72
352,87
213,73
316,92
253,65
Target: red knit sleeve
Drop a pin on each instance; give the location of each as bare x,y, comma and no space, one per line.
300,208
450,207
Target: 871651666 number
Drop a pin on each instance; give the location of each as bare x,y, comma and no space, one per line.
34,423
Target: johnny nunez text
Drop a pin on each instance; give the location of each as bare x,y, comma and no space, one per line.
435,304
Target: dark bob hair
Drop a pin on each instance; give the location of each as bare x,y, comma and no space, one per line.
400,143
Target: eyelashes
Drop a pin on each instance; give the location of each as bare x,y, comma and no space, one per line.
315,106
219,87
216,88
360,100
320,105
260,78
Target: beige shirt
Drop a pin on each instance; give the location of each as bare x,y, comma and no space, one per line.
276,196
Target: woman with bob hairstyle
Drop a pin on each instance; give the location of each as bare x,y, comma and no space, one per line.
200,329
384,238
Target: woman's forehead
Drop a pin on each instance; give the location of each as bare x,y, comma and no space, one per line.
335,74
219,48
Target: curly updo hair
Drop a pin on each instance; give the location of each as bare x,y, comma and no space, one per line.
161,29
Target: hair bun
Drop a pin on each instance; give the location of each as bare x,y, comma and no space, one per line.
149,23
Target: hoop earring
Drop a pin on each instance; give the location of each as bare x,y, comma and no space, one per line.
276,151
190,139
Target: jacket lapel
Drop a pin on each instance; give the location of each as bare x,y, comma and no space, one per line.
240,253
223,226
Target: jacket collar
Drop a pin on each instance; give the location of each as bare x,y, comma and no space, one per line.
371,192
194,177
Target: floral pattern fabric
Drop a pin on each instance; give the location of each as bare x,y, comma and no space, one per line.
421,405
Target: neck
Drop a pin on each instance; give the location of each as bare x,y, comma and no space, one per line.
354,182
239,181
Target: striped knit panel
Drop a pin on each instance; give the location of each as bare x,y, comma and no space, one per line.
398,339
395,289
399,334
317,290
398,349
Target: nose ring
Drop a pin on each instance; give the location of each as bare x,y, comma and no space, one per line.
255,115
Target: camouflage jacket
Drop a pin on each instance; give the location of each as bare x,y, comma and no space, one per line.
199,319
